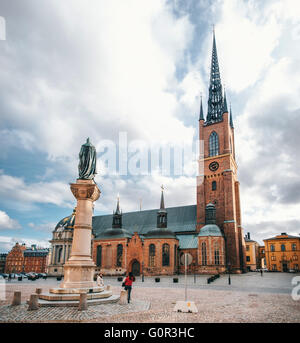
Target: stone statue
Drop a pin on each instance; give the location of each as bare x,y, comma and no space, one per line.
87,161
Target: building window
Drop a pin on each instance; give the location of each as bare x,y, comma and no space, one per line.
282,247
247,247
274,267
99,256
166,255
217,254
295,258
203,251
296,267
213,144
294,246
248,258
59,254
214,186
273,258
272,247
119,255
151,255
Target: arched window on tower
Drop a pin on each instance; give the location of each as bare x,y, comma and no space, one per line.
151,255
204,256
214,185
213,144
99,256
166,255
119,255
217,254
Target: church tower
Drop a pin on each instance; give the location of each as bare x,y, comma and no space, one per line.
219,185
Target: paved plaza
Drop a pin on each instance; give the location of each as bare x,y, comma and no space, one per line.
249,298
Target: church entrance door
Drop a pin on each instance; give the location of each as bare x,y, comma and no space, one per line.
136,268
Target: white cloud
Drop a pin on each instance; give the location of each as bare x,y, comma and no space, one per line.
6,243
17,190
119,75
8,223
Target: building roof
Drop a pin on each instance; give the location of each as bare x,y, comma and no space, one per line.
249,240
112,233
161,233
282,236
180,219
188,241
67,222
30,252
210,230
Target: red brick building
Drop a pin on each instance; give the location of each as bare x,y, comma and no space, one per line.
24,260
151,242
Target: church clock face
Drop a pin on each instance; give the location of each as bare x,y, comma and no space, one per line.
214,166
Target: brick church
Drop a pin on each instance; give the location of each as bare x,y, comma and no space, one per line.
153,242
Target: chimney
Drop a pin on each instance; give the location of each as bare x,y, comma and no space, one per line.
248,235
33,246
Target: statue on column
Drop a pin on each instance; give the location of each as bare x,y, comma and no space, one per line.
87,161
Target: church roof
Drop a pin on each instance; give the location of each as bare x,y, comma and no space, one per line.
114,233
188,241
210,230
161,233
180,219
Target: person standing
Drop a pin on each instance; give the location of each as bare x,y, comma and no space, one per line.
261,272
128,285
100,282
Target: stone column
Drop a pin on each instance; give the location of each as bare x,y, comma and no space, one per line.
79,269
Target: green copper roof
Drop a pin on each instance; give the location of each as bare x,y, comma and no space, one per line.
188,241
114,233
180,219
210,230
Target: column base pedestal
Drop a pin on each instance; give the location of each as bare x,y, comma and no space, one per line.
79,274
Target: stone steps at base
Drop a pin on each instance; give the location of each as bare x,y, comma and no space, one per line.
73,296
72,303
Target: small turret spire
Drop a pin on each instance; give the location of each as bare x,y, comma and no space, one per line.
117,216
162,213
230,118
118,205
225,109
162,201
201,117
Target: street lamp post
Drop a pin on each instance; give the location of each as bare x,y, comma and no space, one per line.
143,271
229,280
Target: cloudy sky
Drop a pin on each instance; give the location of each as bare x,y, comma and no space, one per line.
71,70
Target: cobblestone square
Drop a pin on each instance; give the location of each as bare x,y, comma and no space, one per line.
250,298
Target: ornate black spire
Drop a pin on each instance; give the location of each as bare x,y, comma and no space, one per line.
215,98
162,213
201,117
117,217
230,119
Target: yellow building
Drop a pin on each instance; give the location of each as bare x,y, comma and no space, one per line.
282,253
252,253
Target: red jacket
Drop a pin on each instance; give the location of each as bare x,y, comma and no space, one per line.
128,281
